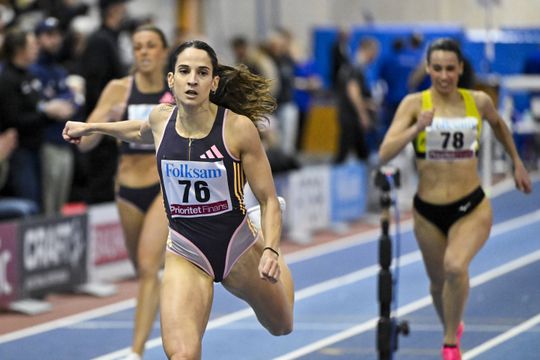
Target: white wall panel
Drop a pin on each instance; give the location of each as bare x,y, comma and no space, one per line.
229,17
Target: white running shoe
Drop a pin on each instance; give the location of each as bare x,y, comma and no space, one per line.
132,356
254,212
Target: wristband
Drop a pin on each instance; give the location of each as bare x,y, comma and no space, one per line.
272,250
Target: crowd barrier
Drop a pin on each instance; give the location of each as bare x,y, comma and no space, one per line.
42,255
74,253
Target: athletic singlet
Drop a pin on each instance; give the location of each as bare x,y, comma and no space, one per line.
450,138
139,106
204,198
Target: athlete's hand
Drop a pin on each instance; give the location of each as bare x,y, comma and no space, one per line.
269,266
424,120
73,131
521,178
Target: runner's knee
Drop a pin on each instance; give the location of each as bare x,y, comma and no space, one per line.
279,325
147,267
454,268
181,350
280,329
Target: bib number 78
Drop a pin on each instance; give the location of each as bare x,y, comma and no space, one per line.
456,137
201,190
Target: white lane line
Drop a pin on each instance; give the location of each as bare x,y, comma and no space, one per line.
513,332
418,304
319,250
305,293
342,243
68,320
295,257
508,184
348,279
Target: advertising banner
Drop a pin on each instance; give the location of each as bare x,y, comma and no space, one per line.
9,267
53,254
308,206
348,191
106,235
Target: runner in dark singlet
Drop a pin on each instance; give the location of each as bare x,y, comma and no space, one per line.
137,181
208,147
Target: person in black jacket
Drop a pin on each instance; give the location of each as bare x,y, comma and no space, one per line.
100,63
355,107
22,110
56,155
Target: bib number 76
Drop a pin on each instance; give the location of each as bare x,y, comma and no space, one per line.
201,190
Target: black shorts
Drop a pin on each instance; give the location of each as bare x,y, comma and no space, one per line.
444,216
141,198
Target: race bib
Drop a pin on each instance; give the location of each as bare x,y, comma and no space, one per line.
140,112
196,188
452,138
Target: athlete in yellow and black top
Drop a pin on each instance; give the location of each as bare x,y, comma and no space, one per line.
450,138
452,217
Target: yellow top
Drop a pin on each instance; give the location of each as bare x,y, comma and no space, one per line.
471,110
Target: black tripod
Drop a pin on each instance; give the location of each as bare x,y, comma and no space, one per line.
388,328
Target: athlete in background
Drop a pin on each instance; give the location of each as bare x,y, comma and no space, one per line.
452,216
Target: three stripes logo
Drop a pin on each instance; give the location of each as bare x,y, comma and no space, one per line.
212,153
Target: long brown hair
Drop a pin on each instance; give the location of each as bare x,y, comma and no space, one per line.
239,90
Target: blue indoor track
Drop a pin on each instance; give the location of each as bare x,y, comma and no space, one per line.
336,308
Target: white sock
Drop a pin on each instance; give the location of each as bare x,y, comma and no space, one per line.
133,356
254,212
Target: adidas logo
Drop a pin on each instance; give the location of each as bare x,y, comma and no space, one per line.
212,153
167,98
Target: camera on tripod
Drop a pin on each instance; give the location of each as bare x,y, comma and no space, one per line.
382,175
388,328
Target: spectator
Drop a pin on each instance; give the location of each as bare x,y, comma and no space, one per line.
307,84
306,80
21,109
339,56
356,111
100,63
256,59
6,17
258,62
243,54
287,110
74,26
532,63
64,10
56,155
11,207
395,70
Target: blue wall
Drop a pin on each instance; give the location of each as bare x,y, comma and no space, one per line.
512,45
